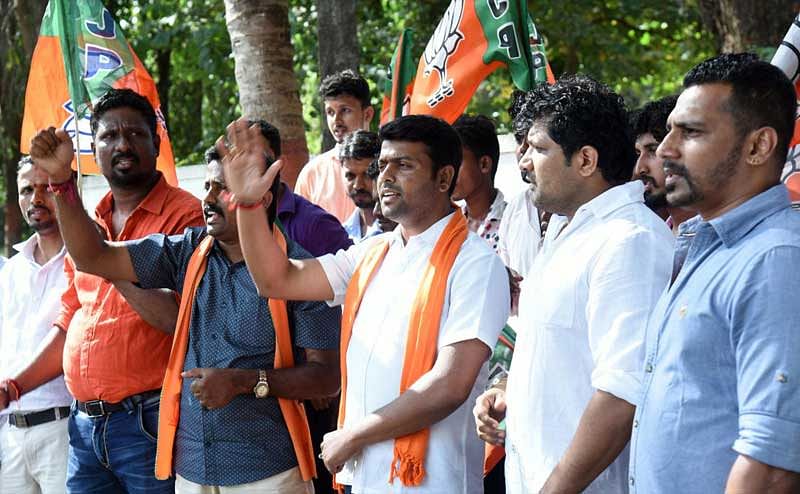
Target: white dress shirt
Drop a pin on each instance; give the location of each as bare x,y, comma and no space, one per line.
475,307
520,233
30,299
584,307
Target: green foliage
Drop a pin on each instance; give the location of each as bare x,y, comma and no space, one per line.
203,97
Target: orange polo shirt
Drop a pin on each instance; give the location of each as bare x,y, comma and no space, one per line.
322,182
110,352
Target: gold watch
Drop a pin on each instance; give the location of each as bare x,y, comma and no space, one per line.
261,389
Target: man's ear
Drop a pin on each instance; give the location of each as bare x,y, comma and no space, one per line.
445,177
585,160
369,112
759,146
485,165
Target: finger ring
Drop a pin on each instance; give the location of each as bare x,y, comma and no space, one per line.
319,456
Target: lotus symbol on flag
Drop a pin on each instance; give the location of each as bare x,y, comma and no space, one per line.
442,44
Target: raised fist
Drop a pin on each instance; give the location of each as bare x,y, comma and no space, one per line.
51,152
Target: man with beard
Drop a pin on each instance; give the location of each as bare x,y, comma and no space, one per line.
720,409
34,443
236,351
423,306
356,154
345,96
649,128
484,204
114,338
575,377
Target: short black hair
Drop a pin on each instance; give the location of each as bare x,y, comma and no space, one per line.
479,135
212,154
652,118
441,140
521,115
346,82
579,111
761,94
271,134
24,161
359,145
123,98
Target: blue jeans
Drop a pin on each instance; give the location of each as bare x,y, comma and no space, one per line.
115,453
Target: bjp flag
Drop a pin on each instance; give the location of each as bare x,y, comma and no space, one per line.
787,58
400,82
473,39
81,53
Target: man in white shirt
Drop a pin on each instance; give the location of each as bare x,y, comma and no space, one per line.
484,204
576,374
33,440
419,161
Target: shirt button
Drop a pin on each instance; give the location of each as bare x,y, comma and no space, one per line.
213,336
781,378
682,311
635,424
648,368
631,480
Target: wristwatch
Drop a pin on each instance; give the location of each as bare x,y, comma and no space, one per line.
261,389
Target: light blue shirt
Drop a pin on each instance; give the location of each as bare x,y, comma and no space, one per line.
352,226
722,364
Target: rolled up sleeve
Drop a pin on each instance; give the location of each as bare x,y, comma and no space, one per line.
766,339
625,283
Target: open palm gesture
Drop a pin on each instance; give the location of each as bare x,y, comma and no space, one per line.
51,152
244,162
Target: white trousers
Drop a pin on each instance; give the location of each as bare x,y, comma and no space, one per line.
34,459
288,482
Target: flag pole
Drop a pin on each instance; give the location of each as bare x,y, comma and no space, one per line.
78,151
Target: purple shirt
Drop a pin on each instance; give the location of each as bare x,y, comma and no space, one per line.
316,230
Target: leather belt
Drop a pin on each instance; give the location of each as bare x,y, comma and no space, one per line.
22,420
99,408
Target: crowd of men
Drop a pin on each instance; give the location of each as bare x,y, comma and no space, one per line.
626,324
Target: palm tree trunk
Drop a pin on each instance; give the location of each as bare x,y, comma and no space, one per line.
268,88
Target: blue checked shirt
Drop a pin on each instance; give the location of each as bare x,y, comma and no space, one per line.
231,327
722,365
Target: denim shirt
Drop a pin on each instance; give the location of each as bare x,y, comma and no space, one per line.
722,364
231,327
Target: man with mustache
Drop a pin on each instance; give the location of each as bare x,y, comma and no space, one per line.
649,128
113,338
575,377
34,441
345,96
721,401
231,428
356,154
423,306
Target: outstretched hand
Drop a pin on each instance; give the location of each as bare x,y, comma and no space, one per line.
244,163
51,152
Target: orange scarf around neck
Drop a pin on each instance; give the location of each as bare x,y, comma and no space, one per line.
292,410
408,463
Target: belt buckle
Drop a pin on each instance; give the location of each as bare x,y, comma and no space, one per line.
98,412
19,419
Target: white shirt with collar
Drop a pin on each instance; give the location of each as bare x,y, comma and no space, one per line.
584,307
476,306
30,299
520,233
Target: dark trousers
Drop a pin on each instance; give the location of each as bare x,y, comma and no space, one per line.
321,422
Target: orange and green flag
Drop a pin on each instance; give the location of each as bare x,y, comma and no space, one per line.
787,58
400,81
81,53
473,39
